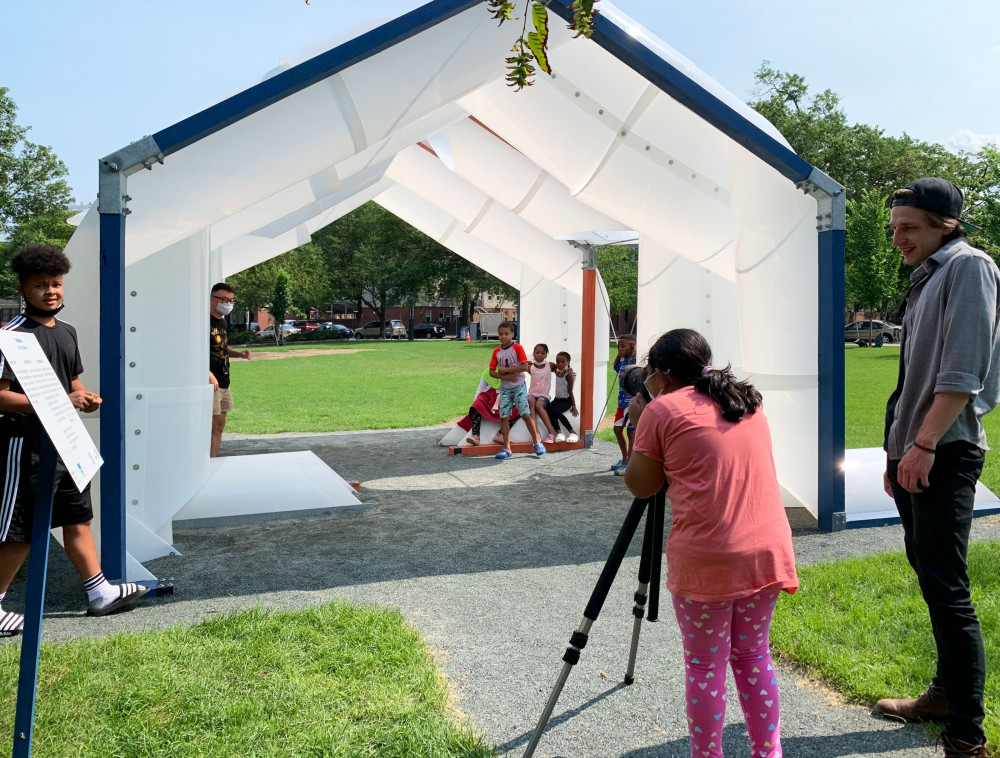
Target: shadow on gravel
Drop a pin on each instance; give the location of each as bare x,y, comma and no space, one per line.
736,742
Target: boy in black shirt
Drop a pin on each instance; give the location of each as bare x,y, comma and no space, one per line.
40,270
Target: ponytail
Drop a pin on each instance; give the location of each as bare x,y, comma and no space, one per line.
734,398
687,356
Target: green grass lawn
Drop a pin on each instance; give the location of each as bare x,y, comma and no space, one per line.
387,385
870,377
336,681
862,627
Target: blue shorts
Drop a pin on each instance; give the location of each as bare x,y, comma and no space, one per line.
514,397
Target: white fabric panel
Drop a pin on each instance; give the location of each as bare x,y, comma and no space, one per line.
676,293
777,280
237,167
416,76
250,250
422,173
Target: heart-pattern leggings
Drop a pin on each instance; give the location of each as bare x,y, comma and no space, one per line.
735,632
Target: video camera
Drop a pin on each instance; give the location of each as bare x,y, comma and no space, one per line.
633,381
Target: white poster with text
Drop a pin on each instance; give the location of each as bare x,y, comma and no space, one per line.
52,405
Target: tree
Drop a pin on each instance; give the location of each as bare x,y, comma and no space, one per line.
278,305
873,264
619,267
47,229
858,156
31,181
380,261
308,280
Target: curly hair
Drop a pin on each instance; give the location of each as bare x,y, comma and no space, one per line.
39,259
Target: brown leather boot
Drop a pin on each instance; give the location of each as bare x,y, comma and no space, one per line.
932,705
960,749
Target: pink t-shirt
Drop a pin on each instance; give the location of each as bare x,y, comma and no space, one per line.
729,535
541,380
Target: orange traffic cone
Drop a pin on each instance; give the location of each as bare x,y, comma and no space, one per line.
468,335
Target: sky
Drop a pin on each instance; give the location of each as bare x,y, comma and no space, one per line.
89,78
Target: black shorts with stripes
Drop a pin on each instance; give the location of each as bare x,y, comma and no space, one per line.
20,461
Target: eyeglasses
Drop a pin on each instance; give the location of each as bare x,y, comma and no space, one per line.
229,300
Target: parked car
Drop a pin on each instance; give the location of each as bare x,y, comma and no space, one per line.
373,330
304,326
868,331
286,329
337,331
429,330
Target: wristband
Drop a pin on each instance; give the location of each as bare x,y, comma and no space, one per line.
922,447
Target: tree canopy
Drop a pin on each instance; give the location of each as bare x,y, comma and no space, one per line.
33,193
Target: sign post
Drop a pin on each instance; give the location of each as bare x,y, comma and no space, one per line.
63,435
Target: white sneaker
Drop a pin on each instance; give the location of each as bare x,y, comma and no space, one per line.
573,437
560,437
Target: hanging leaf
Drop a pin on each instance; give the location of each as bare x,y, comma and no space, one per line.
584,12
519,68
538,40
502,10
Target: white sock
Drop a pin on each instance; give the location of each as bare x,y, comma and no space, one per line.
100,588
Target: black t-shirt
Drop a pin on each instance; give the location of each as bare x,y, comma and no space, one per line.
59,343
218,350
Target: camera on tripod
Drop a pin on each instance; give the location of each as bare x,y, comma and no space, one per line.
633,381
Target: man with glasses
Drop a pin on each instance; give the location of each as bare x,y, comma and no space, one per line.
219,353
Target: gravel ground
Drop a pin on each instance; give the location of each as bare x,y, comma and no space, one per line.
493,562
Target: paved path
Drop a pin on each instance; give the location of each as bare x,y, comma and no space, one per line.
494,562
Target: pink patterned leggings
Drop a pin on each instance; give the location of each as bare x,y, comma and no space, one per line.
734,632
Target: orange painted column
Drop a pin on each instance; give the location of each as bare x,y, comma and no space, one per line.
587,421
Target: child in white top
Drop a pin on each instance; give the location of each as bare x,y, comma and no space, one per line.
540,386
564,401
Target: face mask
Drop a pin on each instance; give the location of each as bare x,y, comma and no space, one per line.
31,310
646,385
224,309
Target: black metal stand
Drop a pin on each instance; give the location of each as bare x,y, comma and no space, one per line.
650,564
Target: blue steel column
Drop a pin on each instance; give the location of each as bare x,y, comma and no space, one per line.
831,513
34,605
112,371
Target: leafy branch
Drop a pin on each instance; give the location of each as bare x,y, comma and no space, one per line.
531,48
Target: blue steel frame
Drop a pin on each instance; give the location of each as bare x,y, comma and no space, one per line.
27,679
112,373
609,36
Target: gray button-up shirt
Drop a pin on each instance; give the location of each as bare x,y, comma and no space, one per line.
951,343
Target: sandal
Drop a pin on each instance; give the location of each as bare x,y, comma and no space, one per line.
472,439
503,455
128,596
11,624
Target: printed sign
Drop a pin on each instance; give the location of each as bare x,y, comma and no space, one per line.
52,405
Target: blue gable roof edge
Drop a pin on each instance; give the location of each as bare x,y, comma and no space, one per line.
259,96
693,96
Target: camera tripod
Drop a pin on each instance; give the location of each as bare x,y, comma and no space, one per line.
650,564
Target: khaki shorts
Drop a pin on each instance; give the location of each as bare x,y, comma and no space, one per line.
222,401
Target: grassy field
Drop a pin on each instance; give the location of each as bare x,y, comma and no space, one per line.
336,681
862,627
371,384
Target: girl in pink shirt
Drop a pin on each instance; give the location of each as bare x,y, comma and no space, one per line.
729,551
540,386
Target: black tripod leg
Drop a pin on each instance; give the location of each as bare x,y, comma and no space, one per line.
578,640
641,593
658,509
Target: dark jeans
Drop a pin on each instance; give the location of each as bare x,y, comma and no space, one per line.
936,526
556,410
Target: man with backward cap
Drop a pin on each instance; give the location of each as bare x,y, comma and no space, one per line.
949,377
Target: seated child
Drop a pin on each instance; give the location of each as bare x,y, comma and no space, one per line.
564,401
541,384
